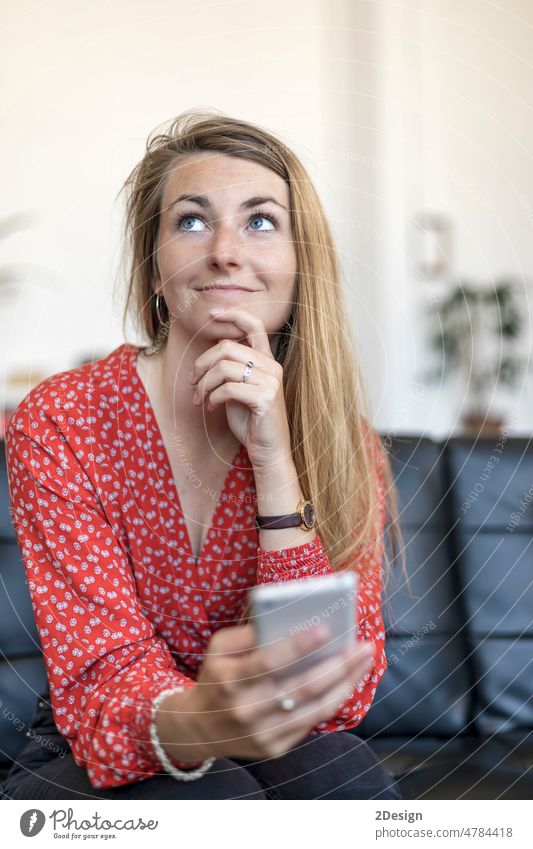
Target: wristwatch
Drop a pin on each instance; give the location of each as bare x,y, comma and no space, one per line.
304,518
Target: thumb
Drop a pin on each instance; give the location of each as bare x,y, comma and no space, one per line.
233,641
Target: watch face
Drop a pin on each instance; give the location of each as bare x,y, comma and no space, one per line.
309,514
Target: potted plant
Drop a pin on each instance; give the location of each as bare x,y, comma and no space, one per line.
476,333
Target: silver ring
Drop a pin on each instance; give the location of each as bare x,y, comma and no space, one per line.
286,703
247,371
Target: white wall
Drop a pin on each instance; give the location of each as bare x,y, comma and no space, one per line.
395,108
430,110
84,84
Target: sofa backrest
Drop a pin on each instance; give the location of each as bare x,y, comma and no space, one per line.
426,687
492,500
460,638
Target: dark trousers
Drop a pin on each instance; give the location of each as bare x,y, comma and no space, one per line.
337,765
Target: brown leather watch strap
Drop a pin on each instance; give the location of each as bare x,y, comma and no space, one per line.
289,520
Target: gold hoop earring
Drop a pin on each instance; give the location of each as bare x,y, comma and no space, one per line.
158,300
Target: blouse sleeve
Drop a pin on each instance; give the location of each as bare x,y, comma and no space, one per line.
311,559
104,662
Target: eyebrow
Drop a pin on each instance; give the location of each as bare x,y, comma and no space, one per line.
204,202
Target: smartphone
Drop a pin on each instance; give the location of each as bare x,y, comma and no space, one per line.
280,610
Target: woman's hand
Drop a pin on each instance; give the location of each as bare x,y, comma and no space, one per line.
235,704
255,410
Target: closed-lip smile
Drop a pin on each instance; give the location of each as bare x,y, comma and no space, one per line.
224,288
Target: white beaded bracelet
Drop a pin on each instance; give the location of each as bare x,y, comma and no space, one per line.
182,775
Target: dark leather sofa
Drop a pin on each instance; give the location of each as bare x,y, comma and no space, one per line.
453,715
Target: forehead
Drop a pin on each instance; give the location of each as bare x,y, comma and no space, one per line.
223,178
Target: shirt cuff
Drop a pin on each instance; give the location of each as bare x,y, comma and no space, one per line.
298,561
126,722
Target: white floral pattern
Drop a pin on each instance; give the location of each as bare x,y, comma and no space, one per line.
121,608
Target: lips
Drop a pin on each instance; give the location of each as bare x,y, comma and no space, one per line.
224,285
228,288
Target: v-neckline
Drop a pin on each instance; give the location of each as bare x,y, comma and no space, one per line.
134,353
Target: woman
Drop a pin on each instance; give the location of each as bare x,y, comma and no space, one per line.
136,481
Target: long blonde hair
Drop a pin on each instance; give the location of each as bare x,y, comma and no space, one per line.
341,462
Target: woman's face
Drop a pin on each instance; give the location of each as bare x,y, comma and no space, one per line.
235,228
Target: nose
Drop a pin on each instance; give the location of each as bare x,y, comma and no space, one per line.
224,247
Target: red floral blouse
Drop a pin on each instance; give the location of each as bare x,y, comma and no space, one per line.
121,608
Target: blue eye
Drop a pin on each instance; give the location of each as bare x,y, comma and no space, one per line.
185,218
265,218
258,214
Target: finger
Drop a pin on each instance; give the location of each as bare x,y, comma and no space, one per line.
340,670
322,704
224,370
320,693
250,324
337,670
233,640
257,397
344,693
319,682
228,349
362,648
266,660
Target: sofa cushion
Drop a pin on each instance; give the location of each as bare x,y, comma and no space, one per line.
463,767
426,688
492,498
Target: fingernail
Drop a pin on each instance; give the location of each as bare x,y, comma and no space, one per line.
320,632
216,310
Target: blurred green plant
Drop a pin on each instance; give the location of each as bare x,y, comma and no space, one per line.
476,332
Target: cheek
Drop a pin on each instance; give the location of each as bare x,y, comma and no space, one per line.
278,269
274,316
282,258
177,269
